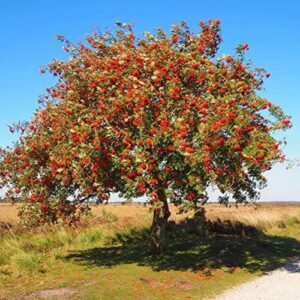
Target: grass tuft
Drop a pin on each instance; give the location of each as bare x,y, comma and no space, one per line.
92,236
27,261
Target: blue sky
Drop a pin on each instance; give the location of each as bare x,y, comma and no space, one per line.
271,28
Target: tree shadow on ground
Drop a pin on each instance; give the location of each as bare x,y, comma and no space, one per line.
197,252
293,267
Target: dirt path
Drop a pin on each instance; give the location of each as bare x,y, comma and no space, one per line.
282,284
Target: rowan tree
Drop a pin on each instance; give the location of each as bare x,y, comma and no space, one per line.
159,117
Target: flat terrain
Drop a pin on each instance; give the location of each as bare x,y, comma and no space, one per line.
107,257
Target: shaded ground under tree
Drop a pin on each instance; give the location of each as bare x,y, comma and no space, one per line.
230,245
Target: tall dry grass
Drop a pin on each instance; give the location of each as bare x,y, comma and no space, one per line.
263,216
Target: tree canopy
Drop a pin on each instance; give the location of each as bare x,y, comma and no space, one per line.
159,116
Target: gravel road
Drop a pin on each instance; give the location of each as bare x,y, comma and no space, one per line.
282,284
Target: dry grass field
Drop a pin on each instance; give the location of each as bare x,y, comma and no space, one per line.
8,213
262,216
108,253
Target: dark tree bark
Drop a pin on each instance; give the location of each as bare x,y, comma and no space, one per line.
159,224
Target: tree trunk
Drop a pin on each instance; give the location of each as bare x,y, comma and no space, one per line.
158,228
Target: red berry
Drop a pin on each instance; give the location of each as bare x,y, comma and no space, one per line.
259,156
246,46
286,121
189,150
152,131
153,181
143,166
228,59
94,85
237,147
175,38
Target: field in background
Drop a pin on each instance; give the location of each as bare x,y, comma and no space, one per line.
261,216
108,253
8,213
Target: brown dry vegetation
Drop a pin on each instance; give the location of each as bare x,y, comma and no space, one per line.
262,216
8,213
